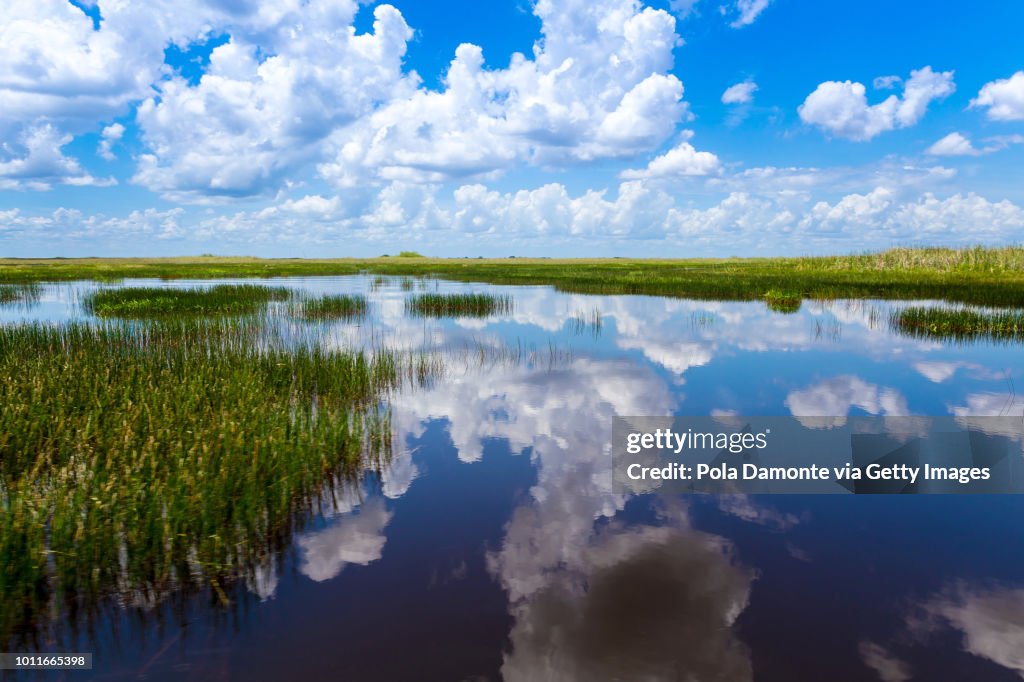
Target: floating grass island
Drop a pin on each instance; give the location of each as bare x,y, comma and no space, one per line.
960,324
458,305
162,302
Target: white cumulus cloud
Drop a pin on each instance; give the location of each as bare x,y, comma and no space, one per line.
37,162
764,218
251,119
597,87
841,107
1004,98
681,160
55,64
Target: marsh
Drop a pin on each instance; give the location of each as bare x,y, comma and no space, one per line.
471,519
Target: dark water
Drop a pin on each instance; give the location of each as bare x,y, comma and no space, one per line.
493,546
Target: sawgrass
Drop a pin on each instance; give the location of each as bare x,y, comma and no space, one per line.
19,293
783,301
458,305
959,324
137,460
162,302
986,276
583,322
327,308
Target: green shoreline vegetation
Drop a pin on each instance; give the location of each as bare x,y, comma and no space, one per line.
458,305
137,460
984,276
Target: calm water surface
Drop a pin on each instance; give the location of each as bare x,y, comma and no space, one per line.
492,546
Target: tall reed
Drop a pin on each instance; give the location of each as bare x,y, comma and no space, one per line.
458,305
961,324
139,459
338,307
19,293
583,322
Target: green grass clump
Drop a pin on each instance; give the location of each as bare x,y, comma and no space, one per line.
18,293
138,460
458,305
959,323
156,302
783,301
340,307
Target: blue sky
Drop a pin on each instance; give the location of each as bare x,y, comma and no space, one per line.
608,127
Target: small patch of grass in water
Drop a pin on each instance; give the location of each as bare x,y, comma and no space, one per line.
458,305
960,324
136,303
19,293
326,308
783,301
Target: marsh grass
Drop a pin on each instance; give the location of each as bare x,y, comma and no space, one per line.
970,259
981,276
19,293
327,308
141,303
479,355
583,322
960,324
829,330
783,301
137,460
458,305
